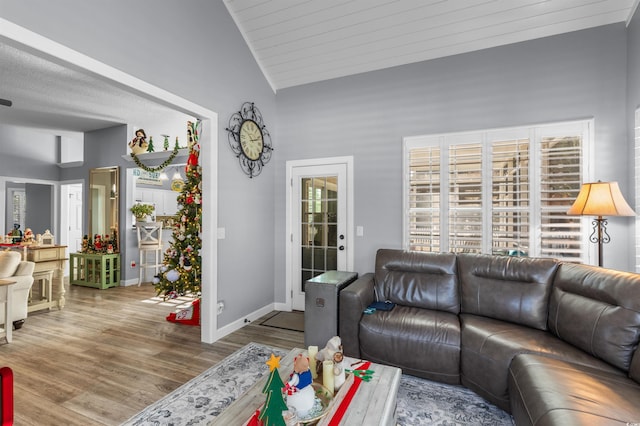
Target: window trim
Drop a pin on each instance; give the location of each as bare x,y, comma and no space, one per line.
535,133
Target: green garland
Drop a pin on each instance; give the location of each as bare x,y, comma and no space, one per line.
157,168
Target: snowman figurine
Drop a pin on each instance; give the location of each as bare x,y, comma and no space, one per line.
300,394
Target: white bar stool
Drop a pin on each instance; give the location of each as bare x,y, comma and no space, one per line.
149,241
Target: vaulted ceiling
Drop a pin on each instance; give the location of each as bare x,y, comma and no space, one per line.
297,42
303,41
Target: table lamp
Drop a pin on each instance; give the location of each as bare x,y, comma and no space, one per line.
600,199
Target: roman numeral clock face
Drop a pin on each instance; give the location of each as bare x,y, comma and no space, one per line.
249,139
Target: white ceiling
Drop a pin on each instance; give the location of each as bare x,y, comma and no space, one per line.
297,42
62,99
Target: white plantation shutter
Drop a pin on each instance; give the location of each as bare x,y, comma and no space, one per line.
465,198
560,182
510,199
507,191
424,199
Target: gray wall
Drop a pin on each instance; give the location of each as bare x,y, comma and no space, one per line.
192,49
633,101
28,153
199,54
567,77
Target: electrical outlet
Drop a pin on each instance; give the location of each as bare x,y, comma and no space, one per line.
220,307
133,263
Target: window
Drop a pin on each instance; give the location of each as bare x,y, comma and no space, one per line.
502,191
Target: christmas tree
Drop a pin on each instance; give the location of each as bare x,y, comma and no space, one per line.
271,412
182,265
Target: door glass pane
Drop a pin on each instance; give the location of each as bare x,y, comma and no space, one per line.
332,236
306,258
319,240
332,259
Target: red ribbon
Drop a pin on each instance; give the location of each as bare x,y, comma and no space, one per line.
342,408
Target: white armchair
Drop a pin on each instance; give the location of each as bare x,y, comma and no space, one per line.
21,271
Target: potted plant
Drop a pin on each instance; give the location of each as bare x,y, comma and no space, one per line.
141,211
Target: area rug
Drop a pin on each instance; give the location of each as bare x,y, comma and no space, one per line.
202,399
286,320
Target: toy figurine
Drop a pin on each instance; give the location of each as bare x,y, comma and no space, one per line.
300,394
28,236
338,371
139,144
16,233
326,354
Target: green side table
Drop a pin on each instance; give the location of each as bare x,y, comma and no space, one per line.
95,270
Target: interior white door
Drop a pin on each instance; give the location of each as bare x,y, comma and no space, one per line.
319,224
75,217
71,217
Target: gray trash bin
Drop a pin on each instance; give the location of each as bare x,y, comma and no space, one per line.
321,306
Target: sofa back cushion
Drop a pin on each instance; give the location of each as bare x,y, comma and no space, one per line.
9,261
597,310
514,289
422,280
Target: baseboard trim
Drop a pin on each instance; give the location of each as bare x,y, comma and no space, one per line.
238,324
286,307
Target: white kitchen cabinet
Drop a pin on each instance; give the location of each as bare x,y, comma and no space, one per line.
166,202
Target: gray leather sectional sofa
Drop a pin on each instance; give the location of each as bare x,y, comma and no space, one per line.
552,343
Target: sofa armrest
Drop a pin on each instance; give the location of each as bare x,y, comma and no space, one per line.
353,300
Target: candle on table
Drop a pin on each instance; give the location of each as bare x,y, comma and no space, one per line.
327,375
313,351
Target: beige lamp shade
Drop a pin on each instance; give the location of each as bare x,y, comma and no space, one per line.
600,199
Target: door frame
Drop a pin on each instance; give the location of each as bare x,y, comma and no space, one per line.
350,233
65,214
25,39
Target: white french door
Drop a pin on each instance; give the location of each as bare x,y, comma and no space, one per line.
319,210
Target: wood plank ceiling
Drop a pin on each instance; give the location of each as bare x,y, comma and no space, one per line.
297,42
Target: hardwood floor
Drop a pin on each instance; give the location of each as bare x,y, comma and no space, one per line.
110,353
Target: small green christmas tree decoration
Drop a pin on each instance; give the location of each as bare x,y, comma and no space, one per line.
177,145
182,263
271,412
274,382
166,142
150,148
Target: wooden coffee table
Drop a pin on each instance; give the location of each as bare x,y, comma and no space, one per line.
374,403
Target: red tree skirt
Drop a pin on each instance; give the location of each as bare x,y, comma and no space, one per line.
188,316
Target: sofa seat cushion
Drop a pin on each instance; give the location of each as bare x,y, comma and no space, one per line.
422,342
488,346
548,391
9,261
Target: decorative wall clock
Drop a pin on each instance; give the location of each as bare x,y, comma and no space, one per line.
249,139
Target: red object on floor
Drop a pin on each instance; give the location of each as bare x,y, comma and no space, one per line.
6,395
337,416
188,316
254,421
